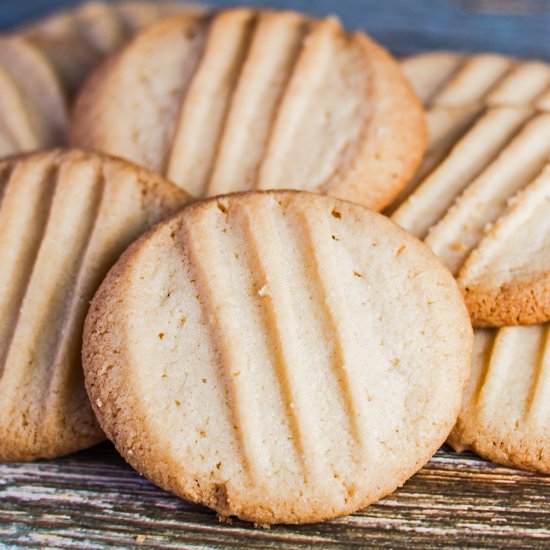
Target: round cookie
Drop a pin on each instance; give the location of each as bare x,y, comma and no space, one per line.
479,200
279,356
65,217
505,414
247,99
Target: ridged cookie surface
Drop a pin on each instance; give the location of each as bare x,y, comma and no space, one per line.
506,406
446,79
279,356
489,164
249,99
479,198
33,111
65,217
76,40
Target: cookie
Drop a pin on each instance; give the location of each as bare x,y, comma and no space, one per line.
446,79
487,153
65,217
508,275
279,356
33,111
506,413
490,140
428,72
76,40
138,15
249,99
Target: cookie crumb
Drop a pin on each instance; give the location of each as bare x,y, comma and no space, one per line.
225,519
264,291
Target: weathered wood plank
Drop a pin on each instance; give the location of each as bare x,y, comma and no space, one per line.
94,500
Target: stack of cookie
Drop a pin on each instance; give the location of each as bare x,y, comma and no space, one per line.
274,349
480,203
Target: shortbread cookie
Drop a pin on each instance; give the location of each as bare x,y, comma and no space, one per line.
278,356
428,72
65,217
506,405
508,275
33,112
445,79
489,141
76,40
250,99
490,152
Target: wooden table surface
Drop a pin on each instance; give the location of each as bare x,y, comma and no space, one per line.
94,500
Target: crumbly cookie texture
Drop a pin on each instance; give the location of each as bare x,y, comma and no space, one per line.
279,356
65,217
248,99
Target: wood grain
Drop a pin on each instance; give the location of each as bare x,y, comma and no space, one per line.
94,500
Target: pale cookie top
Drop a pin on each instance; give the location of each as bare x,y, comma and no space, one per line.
446,79
65,217
33,110
75,40
479,199
249,99
505,415
497,157
281,356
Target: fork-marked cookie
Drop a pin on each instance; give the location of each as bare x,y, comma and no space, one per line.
279,356
248,99
65,216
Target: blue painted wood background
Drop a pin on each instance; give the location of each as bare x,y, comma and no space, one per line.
517,27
